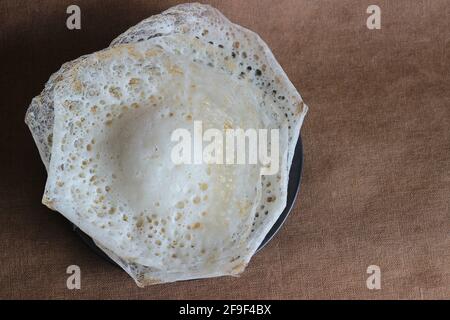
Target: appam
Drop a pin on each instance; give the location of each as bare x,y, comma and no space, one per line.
102,126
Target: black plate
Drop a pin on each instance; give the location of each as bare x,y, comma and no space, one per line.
295,175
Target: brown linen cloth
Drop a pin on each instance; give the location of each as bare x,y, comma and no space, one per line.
376,183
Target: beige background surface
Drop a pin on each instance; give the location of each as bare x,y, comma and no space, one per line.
376,184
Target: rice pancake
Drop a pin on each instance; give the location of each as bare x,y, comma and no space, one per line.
103,126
